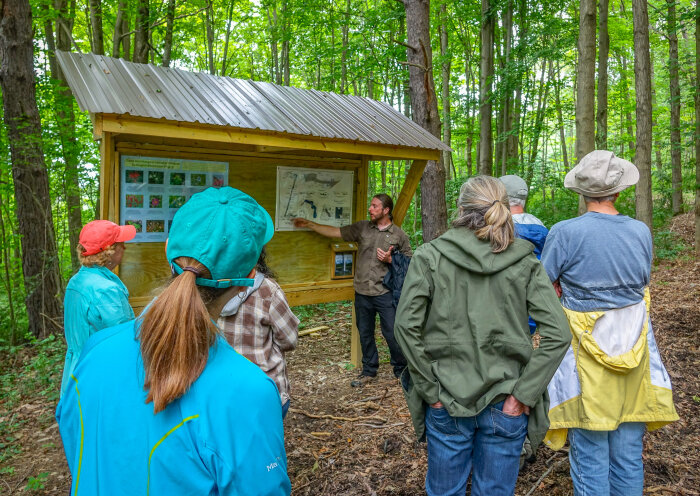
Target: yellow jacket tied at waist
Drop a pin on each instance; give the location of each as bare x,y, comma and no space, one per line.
611,374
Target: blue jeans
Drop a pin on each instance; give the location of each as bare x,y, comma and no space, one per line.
607,463
490,443
285,408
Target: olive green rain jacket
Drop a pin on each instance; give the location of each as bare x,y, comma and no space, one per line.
462,323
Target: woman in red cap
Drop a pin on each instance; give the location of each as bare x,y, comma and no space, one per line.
95,297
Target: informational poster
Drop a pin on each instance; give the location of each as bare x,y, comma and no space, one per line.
153,188
320,195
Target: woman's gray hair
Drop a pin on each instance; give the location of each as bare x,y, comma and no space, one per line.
483,208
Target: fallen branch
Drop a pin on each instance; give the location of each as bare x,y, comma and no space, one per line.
385,426
333,417
671,489
306,332
545,474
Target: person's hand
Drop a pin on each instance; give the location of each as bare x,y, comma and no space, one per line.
513,407
384,256
557,287
437,405
301,222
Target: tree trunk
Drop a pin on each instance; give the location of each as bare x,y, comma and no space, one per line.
168,41
66,129
344,53
485,82
121,44
560,121
98,45
285,43
141,47
542,97
585,92
601,137
697,129
675,90
208,20
507,101
425,113
642,84
446,71
21,115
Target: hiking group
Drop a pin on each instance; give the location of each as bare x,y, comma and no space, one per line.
190,396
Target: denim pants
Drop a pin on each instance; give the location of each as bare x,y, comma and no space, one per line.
607,463
489,444
366,310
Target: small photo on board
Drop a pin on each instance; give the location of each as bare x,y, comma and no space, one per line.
134,201
198,180
217,180
134,176
176,201
155,177
137,223
177,178
155,226
155,201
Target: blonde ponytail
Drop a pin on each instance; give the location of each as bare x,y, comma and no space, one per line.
483,208
176,334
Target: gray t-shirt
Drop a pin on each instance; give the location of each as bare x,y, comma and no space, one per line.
602,261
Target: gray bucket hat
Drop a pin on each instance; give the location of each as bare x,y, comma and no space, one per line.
516,187
601,173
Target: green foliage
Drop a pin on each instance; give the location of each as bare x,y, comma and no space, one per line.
37,483
354,47
327,312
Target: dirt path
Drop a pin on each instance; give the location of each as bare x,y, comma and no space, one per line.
347,441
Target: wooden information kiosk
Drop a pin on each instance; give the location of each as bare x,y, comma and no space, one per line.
166,134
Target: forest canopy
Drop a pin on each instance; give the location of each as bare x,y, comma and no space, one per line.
521,87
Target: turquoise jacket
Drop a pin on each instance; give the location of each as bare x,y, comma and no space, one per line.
224,436
95,299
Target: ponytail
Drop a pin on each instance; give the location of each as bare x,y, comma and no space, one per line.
483,208
176,334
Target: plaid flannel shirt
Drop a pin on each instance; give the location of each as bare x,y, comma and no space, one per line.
262,330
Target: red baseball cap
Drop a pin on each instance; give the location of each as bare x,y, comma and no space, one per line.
99,234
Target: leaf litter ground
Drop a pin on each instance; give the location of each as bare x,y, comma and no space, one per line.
359,441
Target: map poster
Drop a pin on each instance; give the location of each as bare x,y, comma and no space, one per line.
153,188
320,195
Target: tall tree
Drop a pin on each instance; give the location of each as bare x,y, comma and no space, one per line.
142,32
98,43
642,84
168,40
121,41
445,77
675,90
601,136
425,112
697,127
560,120
39,257
65,117
485,89
585,83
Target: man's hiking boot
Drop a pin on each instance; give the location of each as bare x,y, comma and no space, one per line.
362,380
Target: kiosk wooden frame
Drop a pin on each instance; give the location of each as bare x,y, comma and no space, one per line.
302,259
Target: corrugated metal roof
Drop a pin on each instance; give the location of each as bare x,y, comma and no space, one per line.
114,86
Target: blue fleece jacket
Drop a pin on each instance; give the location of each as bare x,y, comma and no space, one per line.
224,436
